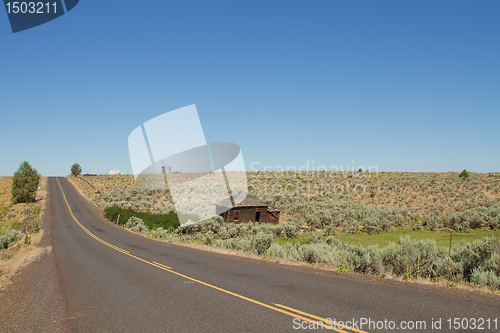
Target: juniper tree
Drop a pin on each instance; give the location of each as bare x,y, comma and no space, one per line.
464,174
24,184
76,169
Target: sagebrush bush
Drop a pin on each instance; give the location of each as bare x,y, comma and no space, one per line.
262,241
309,253
26,211
477,262
213,224
136,224
244,245
488,278
159,233
9,237
209,236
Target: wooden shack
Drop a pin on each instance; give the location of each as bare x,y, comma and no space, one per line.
249,209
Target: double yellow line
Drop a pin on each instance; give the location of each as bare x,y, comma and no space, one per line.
276,307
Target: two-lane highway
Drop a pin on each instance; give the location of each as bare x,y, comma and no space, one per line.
112,280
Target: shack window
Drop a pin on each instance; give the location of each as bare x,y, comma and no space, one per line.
236,215
257,216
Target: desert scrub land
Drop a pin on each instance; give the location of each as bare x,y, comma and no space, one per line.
20,233
14,215
339,202
121,191
384,224
16,220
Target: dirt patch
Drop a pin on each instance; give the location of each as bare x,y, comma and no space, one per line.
21,258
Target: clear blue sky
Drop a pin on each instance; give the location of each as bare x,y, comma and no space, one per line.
401,85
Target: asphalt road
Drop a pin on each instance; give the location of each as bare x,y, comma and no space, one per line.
112,280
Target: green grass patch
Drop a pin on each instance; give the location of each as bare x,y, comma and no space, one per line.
383,239
442,238
15,224
152,221
302,239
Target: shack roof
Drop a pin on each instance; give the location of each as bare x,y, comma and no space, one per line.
249,201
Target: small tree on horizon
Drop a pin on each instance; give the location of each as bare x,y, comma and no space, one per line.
25,183
464,174
76,169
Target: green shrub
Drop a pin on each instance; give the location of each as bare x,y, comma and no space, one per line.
152,221
309,254
278,230
209,236
9,237
76,169
464,174
190,227
15,224
25,184
223,233
290,230
315,237
488,278
230,243
329,231
262,241
244,245
136,224
27,211
213,224
27,240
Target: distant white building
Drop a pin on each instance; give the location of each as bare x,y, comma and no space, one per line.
115,172
166,169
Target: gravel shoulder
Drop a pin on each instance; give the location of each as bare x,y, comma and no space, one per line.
29,296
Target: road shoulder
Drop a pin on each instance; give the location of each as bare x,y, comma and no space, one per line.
30,298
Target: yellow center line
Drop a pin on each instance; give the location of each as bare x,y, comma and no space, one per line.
298,314
319,318
85,229
162,265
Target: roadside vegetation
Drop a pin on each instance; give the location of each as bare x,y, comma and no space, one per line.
19,210
152,221
24,184
433,226
76,169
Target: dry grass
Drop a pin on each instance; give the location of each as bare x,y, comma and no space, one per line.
21,256
17,255
411,194
6,204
